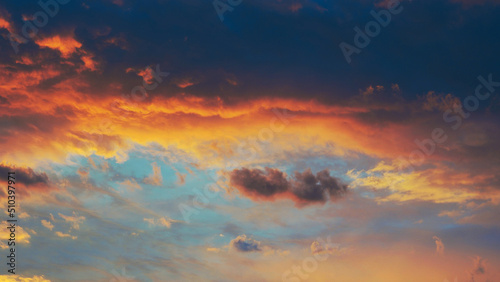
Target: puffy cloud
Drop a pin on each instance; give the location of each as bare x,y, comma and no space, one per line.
271,184
4,23
243,243
320,188
441,102
64,44
47,224
63,235
74,220
258,183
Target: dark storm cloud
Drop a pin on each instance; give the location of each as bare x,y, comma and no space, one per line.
270,184
258,182
272,48
317,188
25,176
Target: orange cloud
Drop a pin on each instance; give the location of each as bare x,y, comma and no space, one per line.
67,45
89,62
214,133
5,24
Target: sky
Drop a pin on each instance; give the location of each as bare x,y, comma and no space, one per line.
250,140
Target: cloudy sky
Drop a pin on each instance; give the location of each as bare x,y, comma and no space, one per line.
251,140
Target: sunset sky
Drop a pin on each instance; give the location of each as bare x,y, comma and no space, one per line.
239,140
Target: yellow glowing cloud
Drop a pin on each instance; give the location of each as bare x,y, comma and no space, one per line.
440,185
22,236
212,133
63,235
19,278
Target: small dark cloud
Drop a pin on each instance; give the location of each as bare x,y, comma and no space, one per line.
260,183
270,184
244,244
26,175
317,188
